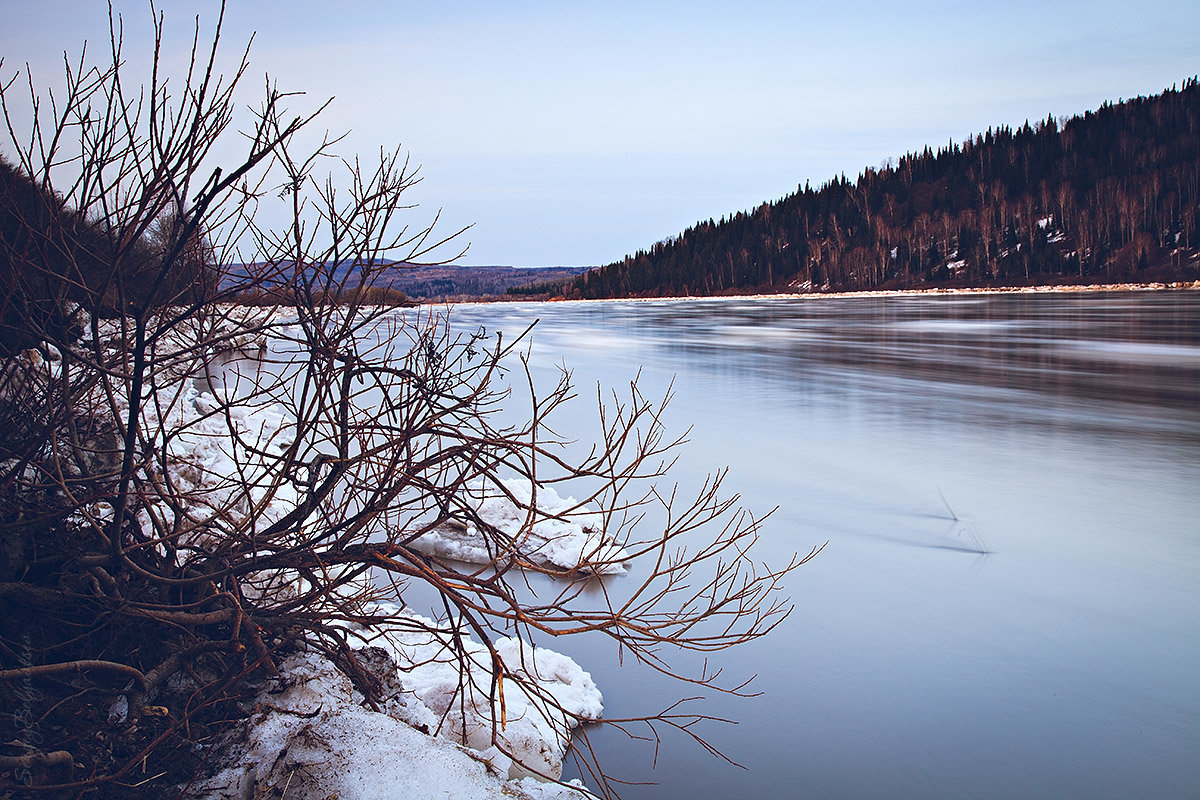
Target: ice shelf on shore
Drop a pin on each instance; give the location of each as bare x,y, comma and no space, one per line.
448,691
311,738
544,528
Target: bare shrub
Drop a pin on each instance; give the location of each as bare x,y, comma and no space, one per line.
191,489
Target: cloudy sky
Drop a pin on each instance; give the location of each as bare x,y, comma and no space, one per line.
574,133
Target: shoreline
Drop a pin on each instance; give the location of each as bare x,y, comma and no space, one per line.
1153,286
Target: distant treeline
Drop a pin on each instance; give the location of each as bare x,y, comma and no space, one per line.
1110,195
397,283
354,295
449,282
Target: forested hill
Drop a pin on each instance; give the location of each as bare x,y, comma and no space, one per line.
1110,195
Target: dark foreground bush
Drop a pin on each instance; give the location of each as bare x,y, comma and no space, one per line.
190,489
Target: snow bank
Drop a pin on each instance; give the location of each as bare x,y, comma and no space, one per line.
223,452
553,531
311,739
452,692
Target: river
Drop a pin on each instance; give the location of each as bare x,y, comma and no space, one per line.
1008,603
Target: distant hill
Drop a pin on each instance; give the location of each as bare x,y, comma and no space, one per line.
457,283
444,282
1113,194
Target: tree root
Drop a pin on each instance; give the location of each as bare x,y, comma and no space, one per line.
72,666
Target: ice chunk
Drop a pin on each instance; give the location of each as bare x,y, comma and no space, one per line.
553,531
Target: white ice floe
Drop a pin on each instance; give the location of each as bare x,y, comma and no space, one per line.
548,530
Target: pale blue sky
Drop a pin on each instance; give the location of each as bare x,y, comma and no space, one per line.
576,133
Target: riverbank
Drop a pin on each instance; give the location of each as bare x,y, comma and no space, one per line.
1041,289
1149,286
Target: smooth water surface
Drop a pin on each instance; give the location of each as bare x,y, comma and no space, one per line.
1009,601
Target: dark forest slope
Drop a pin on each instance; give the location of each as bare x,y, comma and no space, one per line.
1110,195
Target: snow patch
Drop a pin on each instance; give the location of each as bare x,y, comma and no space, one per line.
454,695
311,739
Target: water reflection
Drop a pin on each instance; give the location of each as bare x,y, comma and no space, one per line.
1009,604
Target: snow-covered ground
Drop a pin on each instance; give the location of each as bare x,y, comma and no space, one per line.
447,693
312,737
